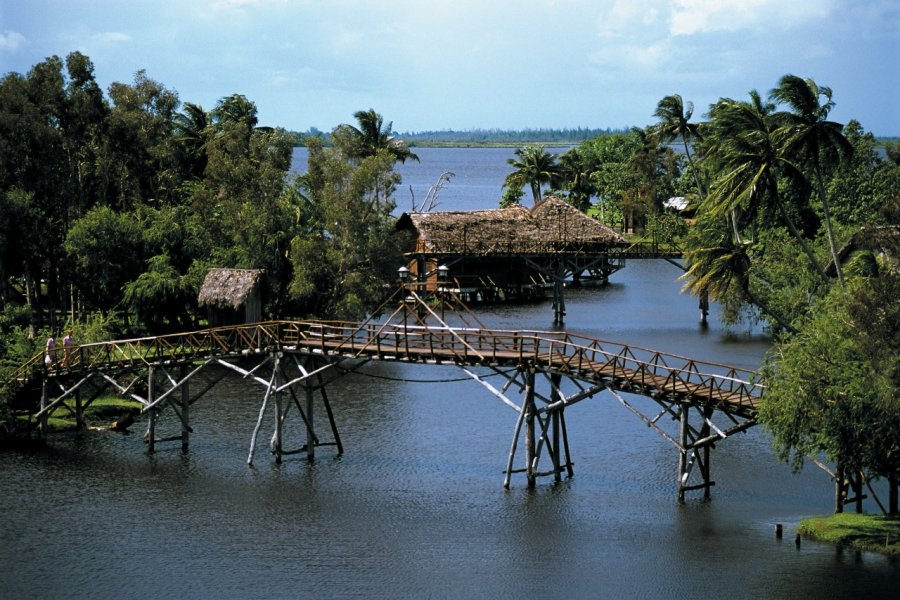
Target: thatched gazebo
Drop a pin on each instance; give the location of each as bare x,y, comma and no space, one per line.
551,225
510,253
231,296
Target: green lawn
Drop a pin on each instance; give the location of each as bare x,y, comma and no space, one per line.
876,533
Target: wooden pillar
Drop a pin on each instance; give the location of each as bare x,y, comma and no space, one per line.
555,382
705,467
704,306
529,427
151,421
559,298
45,401
682,456
185,410
310,428
279,414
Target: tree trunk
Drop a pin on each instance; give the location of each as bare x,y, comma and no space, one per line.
839,489
828,229
893,484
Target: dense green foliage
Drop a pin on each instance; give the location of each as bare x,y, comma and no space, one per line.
779,190
114,206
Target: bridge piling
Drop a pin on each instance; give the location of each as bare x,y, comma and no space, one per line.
185,409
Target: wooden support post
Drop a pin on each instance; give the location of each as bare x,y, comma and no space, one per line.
185,410
277,446
705,467
682,456
562,419
45,397
555,381
151,421
310,428
559,299
331,421
529,427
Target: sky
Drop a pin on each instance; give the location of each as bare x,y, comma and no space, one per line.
474,64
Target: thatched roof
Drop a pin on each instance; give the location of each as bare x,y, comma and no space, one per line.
551,225
227,288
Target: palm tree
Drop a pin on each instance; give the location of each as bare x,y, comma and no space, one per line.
716,263
674,123
818,142
191,128
574,175
371,136
746,142
235,108
534,167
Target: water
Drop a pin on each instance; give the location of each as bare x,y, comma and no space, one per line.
415,508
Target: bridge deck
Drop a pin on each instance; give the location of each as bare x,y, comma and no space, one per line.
618,366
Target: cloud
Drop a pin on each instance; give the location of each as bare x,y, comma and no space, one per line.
10,41
689,17
111,37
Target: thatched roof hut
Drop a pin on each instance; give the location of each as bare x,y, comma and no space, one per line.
551,225
231,296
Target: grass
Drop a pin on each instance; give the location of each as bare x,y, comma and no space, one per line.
875,533
102,410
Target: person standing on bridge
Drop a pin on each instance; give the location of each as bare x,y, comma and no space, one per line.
50,358
68,344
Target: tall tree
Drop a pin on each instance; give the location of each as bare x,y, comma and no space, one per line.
371,136
675,115
534,167
817,142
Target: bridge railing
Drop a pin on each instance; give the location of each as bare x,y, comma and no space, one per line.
640,368
630,366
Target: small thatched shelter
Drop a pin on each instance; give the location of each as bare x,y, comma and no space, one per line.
231,296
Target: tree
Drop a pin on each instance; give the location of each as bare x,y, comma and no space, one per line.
533,167
817,141
191,130
831,390
372,136
718,266
748,186
674,124
349,251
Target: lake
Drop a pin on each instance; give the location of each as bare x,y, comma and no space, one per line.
415,507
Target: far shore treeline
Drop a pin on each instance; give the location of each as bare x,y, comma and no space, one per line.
115,203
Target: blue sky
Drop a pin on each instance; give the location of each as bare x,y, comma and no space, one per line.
467,64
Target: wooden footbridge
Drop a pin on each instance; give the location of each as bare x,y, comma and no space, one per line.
293,362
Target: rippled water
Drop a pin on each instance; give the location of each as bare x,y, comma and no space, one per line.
415,508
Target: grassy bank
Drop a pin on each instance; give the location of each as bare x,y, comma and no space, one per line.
875,533
101,412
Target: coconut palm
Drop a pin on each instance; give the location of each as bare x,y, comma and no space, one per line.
716,263
235,108
371,136
191,128
574,175
817,142
745,141
533,167
675,124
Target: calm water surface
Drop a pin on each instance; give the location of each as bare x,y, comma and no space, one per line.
415,508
